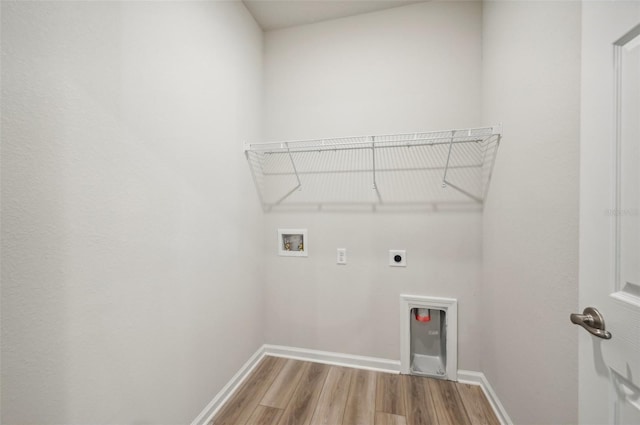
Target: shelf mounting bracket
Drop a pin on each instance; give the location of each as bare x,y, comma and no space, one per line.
295,171
373,159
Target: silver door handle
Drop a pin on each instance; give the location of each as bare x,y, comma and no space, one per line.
592,321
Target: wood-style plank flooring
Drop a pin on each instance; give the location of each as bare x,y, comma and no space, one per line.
291,392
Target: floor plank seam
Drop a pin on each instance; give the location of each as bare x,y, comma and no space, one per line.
464,406
319,395
344,413
295,390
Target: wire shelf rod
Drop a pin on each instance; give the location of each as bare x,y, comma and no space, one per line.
380,144
429,135
369,170
359,146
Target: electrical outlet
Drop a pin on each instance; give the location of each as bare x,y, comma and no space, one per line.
397,258
341,256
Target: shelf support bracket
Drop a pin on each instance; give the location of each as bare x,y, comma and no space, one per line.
295,171
493,163
373,158
464,192
446,167
446,183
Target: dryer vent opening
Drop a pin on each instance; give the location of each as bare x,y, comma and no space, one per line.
429,336
428,342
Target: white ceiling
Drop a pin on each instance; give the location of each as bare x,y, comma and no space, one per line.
276,14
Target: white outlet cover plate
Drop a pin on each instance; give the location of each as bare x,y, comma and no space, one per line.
402,253
341,256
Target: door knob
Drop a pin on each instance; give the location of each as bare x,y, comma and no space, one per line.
592,321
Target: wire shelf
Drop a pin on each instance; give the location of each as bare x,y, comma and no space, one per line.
410,170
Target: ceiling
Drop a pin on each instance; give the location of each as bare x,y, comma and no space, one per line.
277,14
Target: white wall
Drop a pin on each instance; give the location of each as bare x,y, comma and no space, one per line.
127,205
531,82
405,69
131,288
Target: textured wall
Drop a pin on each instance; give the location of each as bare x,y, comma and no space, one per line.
400,70
531,82
130,278
128,211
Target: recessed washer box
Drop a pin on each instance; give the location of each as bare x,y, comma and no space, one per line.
397,258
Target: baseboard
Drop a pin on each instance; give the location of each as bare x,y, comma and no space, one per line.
478,378
225,393
336,359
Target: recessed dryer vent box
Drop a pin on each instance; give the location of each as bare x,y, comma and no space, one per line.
429,335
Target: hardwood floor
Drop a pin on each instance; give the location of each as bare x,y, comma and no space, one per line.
291,392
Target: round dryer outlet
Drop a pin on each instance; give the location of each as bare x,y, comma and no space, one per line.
397,258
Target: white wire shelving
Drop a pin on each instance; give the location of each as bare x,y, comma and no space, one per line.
412,170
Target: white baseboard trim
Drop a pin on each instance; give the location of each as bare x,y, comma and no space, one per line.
225,393
478,378
336,359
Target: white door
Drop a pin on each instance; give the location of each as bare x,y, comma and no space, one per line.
609,370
